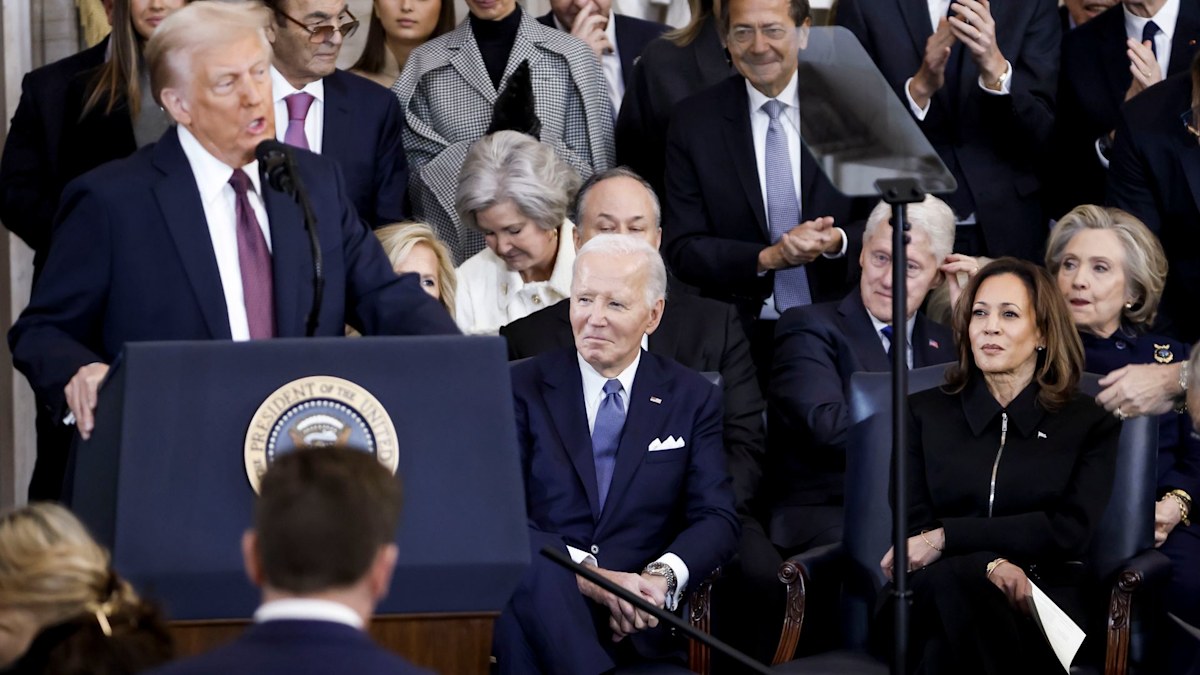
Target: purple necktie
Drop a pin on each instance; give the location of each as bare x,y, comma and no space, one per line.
606,436
297,105
254,260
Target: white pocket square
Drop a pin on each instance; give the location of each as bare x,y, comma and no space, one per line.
670,443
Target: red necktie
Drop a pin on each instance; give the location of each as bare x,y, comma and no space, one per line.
254,260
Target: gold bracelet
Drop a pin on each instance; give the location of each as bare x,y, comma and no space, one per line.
1185,504
994,564
930,543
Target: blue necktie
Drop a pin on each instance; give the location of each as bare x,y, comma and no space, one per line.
606,436
783,210
1148,33
887,333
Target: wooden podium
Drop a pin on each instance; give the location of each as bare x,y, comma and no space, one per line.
451,643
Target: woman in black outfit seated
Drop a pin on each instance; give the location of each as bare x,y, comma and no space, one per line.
1010,468
1111,270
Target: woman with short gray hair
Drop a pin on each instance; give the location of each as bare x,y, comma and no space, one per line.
516,191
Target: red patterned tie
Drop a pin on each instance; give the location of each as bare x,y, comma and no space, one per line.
254,260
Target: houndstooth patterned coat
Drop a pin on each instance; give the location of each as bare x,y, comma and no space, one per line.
447,99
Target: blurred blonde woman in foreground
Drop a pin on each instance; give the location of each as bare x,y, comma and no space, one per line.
63,610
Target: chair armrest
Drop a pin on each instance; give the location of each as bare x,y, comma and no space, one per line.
1143,573
797,572
700,616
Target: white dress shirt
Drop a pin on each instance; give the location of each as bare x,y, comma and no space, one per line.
1165,19
314,121
937,12
789,119
593,395
609,62
879,325
308,609
488,295
217,196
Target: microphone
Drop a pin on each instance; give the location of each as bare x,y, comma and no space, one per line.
277,164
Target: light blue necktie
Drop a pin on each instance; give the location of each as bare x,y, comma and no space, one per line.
783,210
606,436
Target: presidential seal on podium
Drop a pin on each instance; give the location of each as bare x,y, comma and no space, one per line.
318,411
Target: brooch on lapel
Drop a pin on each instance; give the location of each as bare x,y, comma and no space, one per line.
1162,353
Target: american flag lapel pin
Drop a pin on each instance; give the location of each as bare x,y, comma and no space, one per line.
934,344
656,400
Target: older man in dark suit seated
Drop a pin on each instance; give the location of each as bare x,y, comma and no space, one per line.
322,552
624,468
184,240
819,347
704,335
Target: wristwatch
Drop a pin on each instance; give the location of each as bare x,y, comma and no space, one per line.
662,569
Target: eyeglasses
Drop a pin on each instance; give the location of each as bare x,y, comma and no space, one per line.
324,32
745,34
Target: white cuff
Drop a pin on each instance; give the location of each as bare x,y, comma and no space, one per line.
842,252
917,110
582,557
681,578
1005,81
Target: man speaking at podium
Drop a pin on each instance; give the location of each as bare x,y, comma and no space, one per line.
184,241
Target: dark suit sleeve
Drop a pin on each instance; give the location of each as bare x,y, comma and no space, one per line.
695,255
806,387
28,195
743,412
378,302
1063,529
711,529
640,145
1025,118
61,329
1130,180
391,170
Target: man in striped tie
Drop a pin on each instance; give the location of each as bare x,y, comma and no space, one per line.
624,469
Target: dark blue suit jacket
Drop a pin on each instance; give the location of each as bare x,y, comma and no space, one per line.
295,647
29,172
1091,89
817,349
715,222
133,261
1155,175
678,500
363,123
633,34
994,144
670,500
